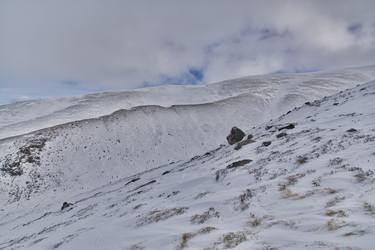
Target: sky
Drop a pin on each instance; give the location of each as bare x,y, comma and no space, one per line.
72,47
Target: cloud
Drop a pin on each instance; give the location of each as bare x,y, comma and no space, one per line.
120,44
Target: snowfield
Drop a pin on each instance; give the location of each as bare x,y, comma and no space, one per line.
276,93
162,176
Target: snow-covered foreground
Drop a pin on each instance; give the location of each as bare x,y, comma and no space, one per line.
309,185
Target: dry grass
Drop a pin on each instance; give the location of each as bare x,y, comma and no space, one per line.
334,224
160,215
287,193
231,240
255,222
244,199
355,233
369,208
338,213
202,218
301,160
334,201
188,236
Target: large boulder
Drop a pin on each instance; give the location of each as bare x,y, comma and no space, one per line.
235,135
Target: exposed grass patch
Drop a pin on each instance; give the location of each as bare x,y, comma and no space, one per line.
287,193
255,222
160,215
233,239
369,208
301,160
202,218
334,225
244,199
290,181
334,201
362,176
355,233
188,236
201,195
338,213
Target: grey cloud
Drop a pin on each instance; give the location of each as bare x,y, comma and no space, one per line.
117,44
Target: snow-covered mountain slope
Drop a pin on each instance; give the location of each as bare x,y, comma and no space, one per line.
309,185
185,121
279,92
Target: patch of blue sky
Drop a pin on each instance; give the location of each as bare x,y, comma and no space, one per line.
192,76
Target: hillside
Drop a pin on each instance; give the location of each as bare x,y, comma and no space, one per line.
277,92
82,142
309,185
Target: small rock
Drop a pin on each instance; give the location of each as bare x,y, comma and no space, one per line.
238,163
290,126
245,142
281,135
352,130
66,205
166,172
132,180
268,127
266,143
235,135
302,159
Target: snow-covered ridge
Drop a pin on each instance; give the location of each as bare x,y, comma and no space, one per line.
23,117
306,186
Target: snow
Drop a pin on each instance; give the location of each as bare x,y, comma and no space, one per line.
185,121
277,93
311,189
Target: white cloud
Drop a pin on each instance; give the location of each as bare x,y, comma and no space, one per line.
117,44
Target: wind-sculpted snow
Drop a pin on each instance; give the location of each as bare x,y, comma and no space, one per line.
311,186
